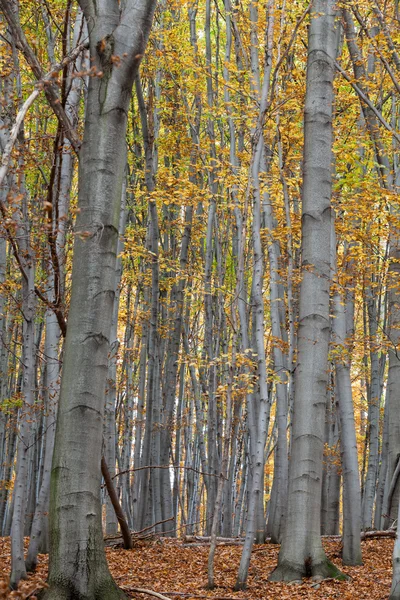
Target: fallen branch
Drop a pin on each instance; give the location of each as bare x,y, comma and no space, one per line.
204,544
115,540
367,535
188,539
186,595
148,592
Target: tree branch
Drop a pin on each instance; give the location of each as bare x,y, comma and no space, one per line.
49,87
5,163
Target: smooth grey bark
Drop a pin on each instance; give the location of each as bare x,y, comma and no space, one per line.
138,497
3,366
77,564
343,330
110,438
150,489
238,252
10,189
39,537
394,361
8,458
260,403
18,570
39,533
9,385
382,488
394,372
6,89
393,381
301,552
126,402
395,589
172,355
277,505
224,464
330,498
385,174
373,416
26,417
209,341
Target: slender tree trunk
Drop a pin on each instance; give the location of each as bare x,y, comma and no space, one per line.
343,317
395,589
259,408
39,534
111,393
18,570
330,500
381,492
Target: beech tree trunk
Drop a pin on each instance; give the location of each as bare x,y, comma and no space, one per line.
301,552
259,403
77,563
342,329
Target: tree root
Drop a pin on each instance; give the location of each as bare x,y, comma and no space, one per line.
324,570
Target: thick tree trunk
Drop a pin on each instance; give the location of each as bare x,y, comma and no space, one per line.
39,538
301,552
77,565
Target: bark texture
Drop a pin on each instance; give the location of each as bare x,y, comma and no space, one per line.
77,566
301,552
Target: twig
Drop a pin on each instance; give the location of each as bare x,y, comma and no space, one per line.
136,535
151,526
165,467
367,102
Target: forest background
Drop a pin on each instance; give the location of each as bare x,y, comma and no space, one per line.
204,334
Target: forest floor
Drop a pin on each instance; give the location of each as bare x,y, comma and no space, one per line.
180,571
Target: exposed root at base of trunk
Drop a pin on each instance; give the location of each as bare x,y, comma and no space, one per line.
109,591
286,571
